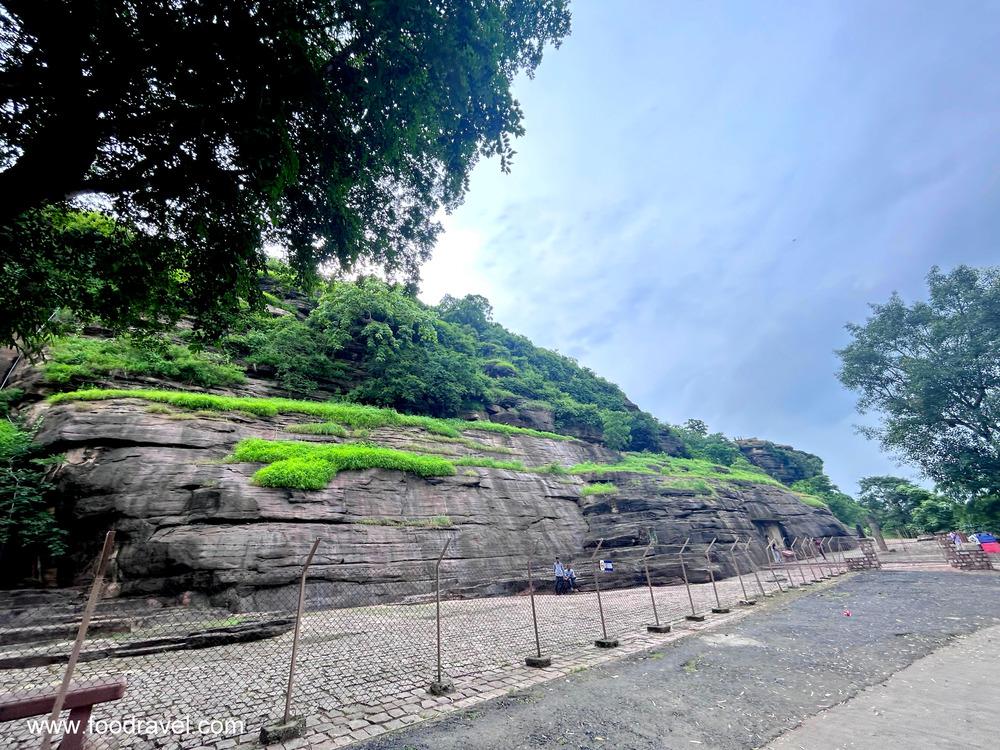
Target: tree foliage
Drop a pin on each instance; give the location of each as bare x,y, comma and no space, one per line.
842,505
932,371
28,528
617,430
714,447
893,500
337,129
58,259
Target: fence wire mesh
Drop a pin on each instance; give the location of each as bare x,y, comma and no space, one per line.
202,674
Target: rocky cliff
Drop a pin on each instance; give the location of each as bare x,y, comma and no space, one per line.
188,520
782,462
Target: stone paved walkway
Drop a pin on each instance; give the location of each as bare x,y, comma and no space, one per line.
745,682
364,671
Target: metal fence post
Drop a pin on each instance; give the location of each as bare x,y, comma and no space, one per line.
656,627
604,641
797,549
718,608
772,550
828,571
753,567
535,660
842,561
441,685
837,563
694,616
746,600
81,634
809,556
798,563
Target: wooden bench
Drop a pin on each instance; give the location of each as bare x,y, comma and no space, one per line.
80,701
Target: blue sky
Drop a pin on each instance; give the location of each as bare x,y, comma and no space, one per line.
707,193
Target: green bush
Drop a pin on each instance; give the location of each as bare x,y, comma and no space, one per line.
9,397
27,527
77,358
300,355
13,440
617,429
569,414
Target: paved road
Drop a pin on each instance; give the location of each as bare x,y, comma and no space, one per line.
741,685
946,701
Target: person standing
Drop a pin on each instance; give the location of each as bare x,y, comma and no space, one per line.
560,574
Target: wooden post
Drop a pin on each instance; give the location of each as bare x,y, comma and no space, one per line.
81,634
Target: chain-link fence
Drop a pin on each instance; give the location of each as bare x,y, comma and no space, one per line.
369,652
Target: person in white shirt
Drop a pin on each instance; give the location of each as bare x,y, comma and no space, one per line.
560,574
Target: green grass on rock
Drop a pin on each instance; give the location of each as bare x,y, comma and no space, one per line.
311,466
352,415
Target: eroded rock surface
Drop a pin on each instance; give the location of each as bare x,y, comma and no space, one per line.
187,520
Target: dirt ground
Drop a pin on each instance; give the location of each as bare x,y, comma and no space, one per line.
740,685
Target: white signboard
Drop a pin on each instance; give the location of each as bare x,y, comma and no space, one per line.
607,566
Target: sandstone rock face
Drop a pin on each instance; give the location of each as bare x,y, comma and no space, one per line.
783,462
187,520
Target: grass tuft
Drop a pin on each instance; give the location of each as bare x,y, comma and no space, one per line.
599,488
319,428
489,463
812,501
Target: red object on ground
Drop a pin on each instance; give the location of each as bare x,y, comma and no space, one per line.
847,613
992,548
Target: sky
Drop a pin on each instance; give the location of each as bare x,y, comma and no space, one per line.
707,192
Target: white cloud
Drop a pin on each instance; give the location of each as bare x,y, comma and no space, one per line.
454,267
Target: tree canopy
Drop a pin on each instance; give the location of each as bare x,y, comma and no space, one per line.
932,371
334,128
